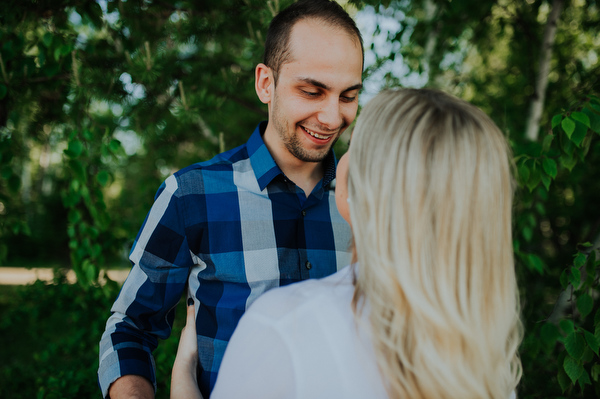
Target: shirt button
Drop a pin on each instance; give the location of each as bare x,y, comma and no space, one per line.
308,265
303,213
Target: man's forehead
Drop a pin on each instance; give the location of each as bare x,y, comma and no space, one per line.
309,28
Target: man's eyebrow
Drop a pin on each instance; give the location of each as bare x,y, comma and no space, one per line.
323,86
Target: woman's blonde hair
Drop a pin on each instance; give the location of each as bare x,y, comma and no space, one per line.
431,199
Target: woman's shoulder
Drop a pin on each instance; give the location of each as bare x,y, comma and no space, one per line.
282,301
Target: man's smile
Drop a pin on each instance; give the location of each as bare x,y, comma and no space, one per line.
317,135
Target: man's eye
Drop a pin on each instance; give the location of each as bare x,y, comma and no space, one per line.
348,99
310,93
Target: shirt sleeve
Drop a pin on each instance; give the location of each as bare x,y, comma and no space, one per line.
258,362
144,309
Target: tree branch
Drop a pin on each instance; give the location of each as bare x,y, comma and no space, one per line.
537,104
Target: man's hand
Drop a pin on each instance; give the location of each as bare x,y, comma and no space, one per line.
184,384
131,387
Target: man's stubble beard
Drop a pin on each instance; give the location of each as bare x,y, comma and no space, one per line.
292,142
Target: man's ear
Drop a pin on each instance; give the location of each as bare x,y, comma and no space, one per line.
264,83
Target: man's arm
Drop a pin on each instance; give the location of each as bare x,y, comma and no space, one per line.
144,309
131,387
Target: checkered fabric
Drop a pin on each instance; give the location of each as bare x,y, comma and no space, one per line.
228,230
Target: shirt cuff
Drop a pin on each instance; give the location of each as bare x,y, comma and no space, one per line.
125,361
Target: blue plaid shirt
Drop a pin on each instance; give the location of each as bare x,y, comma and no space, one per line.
228,230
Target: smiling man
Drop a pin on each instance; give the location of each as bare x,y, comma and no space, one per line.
312,97
256,217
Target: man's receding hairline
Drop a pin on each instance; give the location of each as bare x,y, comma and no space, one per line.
288,53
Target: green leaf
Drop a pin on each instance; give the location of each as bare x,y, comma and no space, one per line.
592,341
579,260
579,133
115,145
65,49
547,142
536,263
534,178
102,178
549,166
567,326
546,181
585,304
575,277
568,126
573,369
567,145
539,207
581,117
47,39
568,162
90,270
563,380
594,119
87,134
596,372
74,149
556,120
524,172
74,216
584,380
3,91
575,345
527,233
78,170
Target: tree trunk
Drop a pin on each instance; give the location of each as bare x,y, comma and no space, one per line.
537,104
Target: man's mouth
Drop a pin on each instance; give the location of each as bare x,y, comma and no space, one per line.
316,135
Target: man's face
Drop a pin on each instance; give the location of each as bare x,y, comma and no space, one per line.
316,95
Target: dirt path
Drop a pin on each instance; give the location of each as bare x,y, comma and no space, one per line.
23,276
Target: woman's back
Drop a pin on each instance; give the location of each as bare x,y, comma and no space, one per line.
312,345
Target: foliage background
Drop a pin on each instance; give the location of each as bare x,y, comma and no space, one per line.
100,101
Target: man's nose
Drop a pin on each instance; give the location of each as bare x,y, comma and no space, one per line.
330,114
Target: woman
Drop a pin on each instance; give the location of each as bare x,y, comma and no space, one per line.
430,309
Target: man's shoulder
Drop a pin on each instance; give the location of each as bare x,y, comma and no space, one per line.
222,160
192,179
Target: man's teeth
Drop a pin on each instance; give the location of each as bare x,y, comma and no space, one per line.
317,135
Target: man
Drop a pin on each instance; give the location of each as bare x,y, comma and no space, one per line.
253,218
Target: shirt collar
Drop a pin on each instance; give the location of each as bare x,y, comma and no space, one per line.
265,168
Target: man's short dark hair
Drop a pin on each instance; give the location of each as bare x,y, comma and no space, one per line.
277,49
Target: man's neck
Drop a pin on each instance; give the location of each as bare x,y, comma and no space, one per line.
305,175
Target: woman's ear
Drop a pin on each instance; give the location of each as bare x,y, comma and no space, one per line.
264,83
